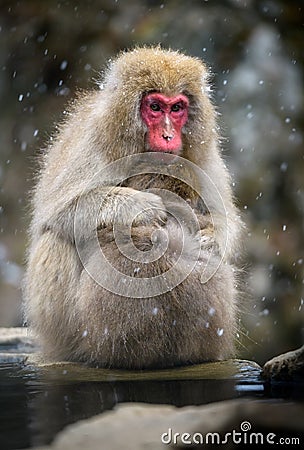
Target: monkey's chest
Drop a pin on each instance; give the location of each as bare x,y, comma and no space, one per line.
165,182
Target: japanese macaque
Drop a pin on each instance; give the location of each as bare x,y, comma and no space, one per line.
135,235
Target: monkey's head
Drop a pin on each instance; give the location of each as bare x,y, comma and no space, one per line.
161,100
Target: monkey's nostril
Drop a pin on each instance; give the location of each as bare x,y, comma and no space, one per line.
167,138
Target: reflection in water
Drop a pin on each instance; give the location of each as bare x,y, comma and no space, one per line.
33,409
57,405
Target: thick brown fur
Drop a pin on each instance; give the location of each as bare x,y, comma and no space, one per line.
76,318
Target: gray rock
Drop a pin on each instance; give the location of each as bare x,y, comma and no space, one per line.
16,345
287,366
138,427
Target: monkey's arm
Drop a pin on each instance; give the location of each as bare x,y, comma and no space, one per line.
102,207
221,225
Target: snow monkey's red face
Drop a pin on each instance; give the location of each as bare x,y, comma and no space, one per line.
164,117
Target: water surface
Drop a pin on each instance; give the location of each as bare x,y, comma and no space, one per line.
37,402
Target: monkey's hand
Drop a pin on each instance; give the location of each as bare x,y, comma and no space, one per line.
146,208
207,237
131,207
207,233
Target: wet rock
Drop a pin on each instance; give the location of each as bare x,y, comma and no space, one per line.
19,345
16,345
288,366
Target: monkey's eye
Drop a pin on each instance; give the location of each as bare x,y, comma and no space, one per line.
155,107
177,107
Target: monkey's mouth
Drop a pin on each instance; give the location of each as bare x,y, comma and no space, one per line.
171,145
167,151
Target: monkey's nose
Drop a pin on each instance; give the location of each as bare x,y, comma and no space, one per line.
168,130
168,133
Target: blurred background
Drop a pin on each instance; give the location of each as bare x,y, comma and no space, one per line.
51,48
